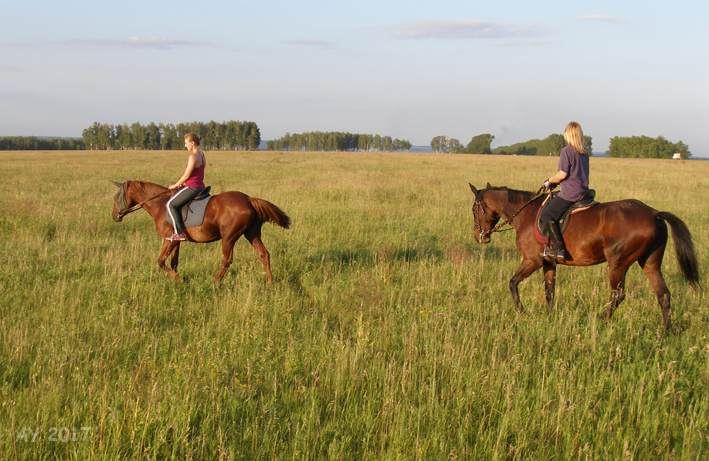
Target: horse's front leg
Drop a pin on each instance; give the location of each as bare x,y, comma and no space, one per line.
526,268
549,283
167,248
175,257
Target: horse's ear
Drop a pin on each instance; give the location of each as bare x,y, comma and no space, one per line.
472,188
117,184
488,186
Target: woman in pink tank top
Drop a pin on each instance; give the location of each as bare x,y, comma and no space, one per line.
188,186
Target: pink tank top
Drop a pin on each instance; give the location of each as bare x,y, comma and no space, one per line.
196,179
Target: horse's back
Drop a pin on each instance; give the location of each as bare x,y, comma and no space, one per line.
629,211
615,220
230,205
233,199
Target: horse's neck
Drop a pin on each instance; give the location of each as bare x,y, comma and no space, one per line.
511,208
142,191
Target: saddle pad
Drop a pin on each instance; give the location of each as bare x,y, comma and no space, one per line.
195,212
563,222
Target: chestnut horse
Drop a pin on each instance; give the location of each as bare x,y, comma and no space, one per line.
228,216
621,233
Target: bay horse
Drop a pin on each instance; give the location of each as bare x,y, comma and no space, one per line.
620,233
228,216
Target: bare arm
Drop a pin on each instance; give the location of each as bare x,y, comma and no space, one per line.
191,162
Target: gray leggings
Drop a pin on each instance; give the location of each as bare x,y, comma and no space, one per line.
176,202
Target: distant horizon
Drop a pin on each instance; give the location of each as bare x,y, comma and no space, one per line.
422,149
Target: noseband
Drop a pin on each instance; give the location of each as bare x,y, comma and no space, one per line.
477,208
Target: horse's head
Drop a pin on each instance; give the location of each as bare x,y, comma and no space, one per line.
121,201
485,217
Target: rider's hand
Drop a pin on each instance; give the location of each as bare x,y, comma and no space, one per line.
548,185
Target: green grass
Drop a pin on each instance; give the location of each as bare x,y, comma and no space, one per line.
388,333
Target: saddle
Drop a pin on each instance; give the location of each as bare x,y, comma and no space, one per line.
193,211
586,202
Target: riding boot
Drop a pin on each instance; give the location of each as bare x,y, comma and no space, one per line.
557,242
547,253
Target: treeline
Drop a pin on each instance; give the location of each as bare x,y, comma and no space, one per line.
35,143
338,142
646,147
231,135
480,144
551,145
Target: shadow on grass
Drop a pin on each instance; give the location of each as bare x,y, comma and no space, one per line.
368,257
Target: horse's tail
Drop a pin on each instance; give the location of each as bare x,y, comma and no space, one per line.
267,211
684,247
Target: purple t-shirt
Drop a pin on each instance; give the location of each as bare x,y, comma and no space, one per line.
575,165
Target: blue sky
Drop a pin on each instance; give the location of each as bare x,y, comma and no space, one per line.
409,69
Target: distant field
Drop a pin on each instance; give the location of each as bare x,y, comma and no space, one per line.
388,332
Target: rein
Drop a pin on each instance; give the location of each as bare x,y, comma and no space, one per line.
125,211
498,228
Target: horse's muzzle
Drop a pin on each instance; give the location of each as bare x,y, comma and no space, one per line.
482,237
117,217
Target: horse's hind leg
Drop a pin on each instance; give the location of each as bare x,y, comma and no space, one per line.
254,236
227,256
617,282
651,266
169,247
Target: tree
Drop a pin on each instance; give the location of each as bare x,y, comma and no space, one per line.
439,144
254,136
646,147
551,145
140,136
480,144
90,136
154,136
455,146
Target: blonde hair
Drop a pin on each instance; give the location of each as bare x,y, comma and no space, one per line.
574,136
193,138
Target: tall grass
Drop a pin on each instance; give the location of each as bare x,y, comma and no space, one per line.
388,333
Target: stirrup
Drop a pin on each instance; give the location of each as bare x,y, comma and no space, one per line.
549,256
561,256
176,238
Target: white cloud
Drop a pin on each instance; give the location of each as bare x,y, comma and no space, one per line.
308,42
14,45
531,43
467,29
135,42
602,18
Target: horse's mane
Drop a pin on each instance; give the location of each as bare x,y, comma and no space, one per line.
145,187
516,196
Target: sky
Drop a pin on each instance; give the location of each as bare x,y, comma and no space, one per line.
412,70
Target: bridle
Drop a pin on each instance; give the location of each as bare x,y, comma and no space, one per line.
478,207
138,206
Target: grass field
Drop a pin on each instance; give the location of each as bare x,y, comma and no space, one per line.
388,332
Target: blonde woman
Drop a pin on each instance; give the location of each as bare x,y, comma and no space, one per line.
188,186
572,175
